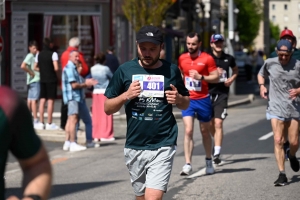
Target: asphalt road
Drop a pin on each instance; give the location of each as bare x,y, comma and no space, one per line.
248,172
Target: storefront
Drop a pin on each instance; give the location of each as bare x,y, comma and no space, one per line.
59,20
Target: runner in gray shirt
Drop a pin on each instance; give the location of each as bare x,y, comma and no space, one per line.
283,103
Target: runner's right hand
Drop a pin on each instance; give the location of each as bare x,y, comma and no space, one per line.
134,90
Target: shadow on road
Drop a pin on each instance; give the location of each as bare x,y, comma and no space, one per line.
227,162
60,190
234,170
295,179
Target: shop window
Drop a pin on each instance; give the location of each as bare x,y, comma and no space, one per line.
65,27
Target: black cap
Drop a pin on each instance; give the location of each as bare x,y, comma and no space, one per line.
149,34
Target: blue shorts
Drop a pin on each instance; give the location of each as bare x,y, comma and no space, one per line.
202,107
33,91
269,117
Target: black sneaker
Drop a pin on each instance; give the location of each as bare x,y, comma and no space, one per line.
216,159
293,162
281,181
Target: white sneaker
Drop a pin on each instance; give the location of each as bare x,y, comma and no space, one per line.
209,167
39,126
66,146
51,126
92,145
107,140
76,147
186,170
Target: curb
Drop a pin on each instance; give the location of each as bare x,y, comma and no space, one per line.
59,135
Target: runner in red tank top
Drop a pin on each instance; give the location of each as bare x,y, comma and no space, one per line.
198,69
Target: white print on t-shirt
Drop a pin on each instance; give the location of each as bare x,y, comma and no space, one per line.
192,84
223,76
151,85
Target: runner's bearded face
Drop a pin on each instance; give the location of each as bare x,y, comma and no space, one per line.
193,44
148,53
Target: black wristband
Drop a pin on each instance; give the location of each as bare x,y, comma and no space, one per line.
33,197
202,77
261,85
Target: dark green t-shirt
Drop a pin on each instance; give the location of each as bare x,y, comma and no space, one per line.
150,121
296,54
16,131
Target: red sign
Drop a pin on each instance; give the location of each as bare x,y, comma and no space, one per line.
1,44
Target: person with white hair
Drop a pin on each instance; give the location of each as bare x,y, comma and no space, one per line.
74,43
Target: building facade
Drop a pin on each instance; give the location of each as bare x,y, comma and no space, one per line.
286,14
28,20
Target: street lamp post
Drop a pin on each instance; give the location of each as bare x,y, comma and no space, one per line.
230,39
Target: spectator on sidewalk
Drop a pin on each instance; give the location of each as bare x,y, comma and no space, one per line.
72,89
249,63
198,69
283,104
259,61
18,137
74,44
47,65
33,81
111,60
151,127
102,123
219,92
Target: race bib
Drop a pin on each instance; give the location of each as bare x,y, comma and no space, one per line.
192,84
223,76
151,85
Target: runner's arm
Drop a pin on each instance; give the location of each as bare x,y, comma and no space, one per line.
114,104
37,174
235,72
213,77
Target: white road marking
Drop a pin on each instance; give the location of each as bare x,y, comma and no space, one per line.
264,137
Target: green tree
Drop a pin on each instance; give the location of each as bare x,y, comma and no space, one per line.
248,20
274,35
145,12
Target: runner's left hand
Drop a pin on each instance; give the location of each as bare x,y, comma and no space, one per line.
228,82
172,95
293,93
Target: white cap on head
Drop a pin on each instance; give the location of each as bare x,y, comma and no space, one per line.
74,42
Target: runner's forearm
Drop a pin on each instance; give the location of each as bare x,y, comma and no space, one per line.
114,105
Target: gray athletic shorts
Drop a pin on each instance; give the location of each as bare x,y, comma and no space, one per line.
149,168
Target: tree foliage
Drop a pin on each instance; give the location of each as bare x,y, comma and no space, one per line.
248,20
274,35
145,12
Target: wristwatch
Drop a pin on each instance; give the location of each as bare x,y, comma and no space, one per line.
261,85
202,77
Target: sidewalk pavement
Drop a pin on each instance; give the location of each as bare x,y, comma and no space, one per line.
120,119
